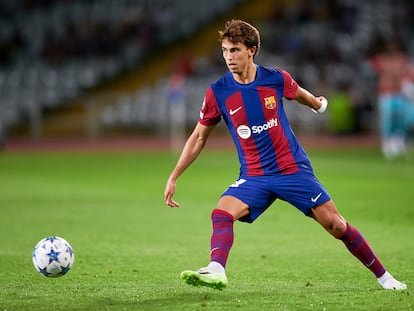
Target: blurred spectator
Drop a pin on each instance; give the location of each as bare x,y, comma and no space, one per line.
391,63
176,83
176,94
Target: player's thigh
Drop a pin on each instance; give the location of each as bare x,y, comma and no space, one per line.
247,198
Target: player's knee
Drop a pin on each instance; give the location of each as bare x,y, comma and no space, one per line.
336,225
338,229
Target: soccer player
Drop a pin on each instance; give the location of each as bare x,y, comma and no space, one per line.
273,163
392,66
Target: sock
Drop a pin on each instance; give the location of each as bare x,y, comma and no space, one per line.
385,277
222,237
359,247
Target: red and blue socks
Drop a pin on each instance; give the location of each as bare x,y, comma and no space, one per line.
222,237
359,247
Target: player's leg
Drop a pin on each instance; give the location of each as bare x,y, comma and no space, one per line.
387,126
399,105
245,200
328,216
227,211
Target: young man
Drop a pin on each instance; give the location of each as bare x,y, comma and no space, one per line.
273,163
392,65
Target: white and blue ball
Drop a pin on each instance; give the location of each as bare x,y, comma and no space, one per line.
53,256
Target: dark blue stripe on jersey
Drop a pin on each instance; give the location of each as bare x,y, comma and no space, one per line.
257,122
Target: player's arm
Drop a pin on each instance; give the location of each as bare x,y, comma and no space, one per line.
294,91
192,148
317,103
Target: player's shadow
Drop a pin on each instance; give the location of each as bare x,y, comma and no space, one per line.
198,299
174,302
180,301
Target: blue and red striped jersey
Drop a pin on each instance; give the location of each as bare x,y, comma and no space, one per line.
257,122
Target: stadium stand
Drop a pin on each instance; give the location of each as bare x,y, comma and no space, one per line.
54,52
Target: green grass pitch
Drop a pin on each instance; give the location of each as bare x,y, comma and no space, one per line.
130,247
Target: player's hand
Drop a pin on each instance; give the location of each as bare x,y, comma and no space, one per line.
169,193
324,104
322,99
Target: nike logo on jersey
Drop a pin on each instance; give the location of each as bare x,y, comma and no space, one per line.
232,112
314,199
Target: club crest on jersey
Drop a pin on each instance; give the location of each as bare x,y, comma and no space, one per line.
270,102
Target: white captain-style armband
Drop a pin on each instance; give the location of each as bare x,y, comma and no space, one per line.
322,108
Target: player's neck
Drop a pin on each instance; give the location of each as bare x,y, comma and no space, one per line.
246,76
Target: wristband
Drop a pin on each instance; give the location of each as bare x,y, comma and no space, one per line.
322,108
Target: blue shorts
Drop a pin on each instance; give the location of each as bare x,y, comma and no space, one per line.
302,189
393,114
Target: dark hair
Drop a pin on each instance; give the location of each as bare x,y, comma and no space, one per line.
238,31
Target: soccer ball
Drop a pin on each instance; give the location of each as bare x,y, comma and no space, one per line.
53,256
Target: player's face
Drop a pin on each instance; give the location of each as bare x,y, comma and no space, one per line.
237,56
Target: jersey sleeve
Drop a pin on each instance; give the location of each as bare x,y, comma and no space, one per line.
210,113
290,85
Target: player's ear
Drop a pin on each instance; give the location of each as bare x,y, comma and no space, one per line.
253,50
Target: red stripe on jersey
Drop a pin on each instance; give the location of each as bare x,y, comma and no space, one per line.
210,112
284,157
238,117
